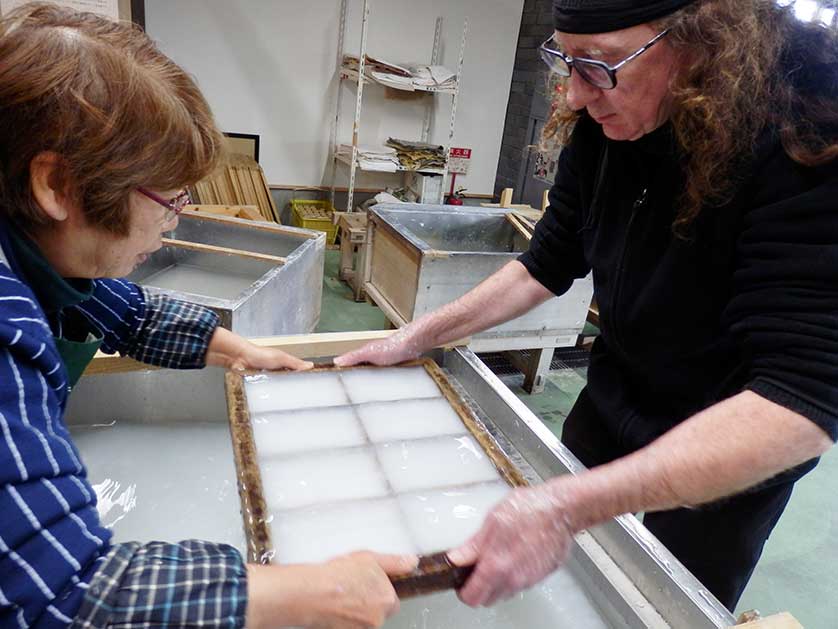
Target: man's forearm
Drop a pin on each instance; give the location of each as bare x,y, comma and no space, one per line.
725,449
505,295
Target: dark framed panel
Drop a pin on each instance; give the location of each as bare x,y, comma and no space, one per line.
244,143
138,13
434,572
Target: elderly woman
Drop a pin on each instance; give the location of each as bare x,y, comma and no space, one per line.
698,183
99,135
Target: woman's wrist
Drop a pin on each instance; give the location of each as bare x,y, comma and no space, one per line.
281,596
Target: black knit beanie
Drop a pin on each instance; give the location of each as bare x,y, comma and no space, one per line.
603,16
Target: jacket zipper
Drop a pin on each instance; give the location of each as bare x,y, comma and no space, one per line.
639,203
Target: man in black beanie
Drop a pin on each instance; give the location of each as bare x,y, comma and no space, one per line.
698,183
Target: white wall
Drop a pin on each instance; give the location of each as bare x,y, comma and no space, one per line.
268,67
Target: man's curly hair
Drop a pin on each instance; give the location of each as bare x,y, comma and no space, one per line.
741,63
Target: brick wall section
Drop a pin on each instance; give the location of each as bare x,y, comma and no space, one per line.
528,75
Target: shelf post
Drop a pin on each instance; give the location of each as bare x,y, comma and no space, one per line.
356,125
336,122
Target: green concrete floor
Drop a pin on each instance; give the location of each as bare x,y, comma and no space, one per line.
799,568
339,312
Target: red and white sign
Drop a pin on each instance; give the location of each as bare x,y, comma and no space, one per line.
458,161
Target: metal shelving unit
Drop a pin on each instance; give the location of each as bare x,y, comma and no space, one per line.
353,76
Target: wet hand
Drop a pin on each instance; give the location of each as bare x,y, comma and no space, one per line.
523,539
394,349
269,358
356,592
232,351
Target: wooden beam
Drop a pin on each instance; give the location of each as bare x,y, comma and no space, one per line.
299,345
320,345
234,211
306,188
519,226
506,197
198,246
779,621
261,224
593,313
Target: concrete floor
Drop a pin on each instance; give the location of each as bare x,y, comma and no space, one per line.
799,568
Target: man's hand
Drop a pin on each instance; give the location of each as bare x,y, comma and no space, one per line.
395,349
523,539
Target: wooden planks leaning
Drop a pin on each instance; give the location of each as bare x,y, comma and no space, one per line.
238,182
434,572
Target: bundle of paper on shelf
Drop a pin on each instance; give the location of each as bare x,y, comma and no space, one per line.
371,64
240,181
437,78
377,158
418,155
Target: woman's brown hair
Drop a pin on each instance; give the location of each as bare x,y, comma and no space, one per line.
118,112
741,66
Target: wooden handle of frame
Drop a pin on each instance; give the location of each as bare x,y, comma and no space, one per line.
434,573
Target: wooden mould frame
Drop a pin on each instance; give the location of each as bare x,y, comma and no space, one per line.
434,572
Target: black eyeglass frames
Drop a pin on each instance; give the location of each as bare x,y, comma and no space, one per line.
597,73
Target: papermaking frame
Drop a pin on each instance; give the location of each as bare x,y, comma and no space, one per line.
434,572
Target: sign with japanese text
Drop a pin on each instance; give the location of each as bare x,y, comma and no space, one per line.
458,161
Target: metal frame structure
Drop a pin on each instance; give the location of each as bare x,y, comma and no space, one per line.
429,278
359,96
288,262
634,581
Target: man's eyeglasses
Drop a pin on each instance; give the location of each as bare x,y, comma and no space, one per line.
596,72
173,206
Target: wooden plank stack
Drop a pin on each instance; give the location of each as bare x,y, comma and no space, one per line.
522,224
238,182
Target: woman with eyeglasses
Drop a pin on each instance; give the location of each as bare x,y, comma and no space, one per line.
100,134
698,183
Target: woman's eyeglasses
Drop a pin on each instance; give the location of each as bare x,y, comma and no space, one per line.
596,72
173,206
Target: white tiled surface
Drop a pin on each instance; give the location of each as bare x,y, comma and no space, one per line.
323,532
266,393
307,430
409,419
366,459
438,462
322,477
398,383
446,518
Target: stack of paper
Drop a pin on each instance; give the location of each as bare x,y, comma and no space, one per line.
378,158
371,64
438,77
394,81
395,76
418,155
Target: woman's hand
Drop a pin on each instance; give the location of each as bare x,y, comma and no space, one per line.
350,592
523,539
268,358
232,351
